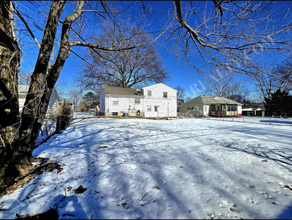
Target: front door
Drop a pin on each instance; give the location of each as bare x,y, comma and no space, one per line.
156,110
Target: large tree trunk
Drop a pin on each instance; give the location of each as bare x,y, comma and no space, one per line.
32,115
9,107
19,134
37,103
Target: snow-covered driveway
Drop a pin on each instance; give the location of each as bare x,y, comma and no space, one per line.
183,168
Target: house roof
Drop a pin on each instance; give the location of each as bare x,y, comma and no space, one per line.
23,89
157,84
120,91
247,109
208,100
253,109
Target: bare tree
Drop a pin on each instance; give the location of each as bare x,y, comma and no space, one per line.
230,34
217,82
283,75
237,91
18,134
24,78
125,68
75,93
181,93
224,84
278,79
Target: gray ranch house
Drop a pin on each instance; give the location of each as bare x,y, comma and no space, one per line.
204,105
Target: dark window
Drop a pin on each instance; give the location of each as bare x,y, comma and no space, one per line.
164,94
232,107
155,108
114,113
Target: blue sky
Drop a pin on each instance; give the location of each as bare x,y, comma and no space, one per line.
181,74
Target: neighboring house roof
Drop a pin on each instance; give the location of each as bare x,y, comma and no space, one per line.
157,85
247,109
208,100
57,94
120,91
23,89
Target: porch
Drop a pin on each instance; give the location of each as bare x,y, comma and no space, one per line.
223,110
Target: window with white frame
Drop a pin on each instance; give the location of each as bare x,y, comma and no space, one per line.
164,94
148,108
155,108
115,101
137,100
149,93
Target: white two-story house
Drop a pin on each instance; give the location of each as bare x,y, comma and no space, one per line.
158,100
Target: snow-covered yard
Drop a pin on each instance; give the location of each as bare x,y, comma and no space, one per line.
82,115
253,119
182,168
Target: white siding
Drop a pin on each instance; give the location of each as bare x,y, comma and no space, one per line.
53,106
166,106
206,110
125,104
21,103
239,109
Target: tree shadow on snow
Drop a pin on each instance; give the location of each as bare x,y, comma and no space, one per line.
286,214
122,176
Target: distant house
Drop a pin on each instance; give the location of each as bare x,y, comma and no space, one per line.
54,103
204,105
255,109
158,100
69,103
